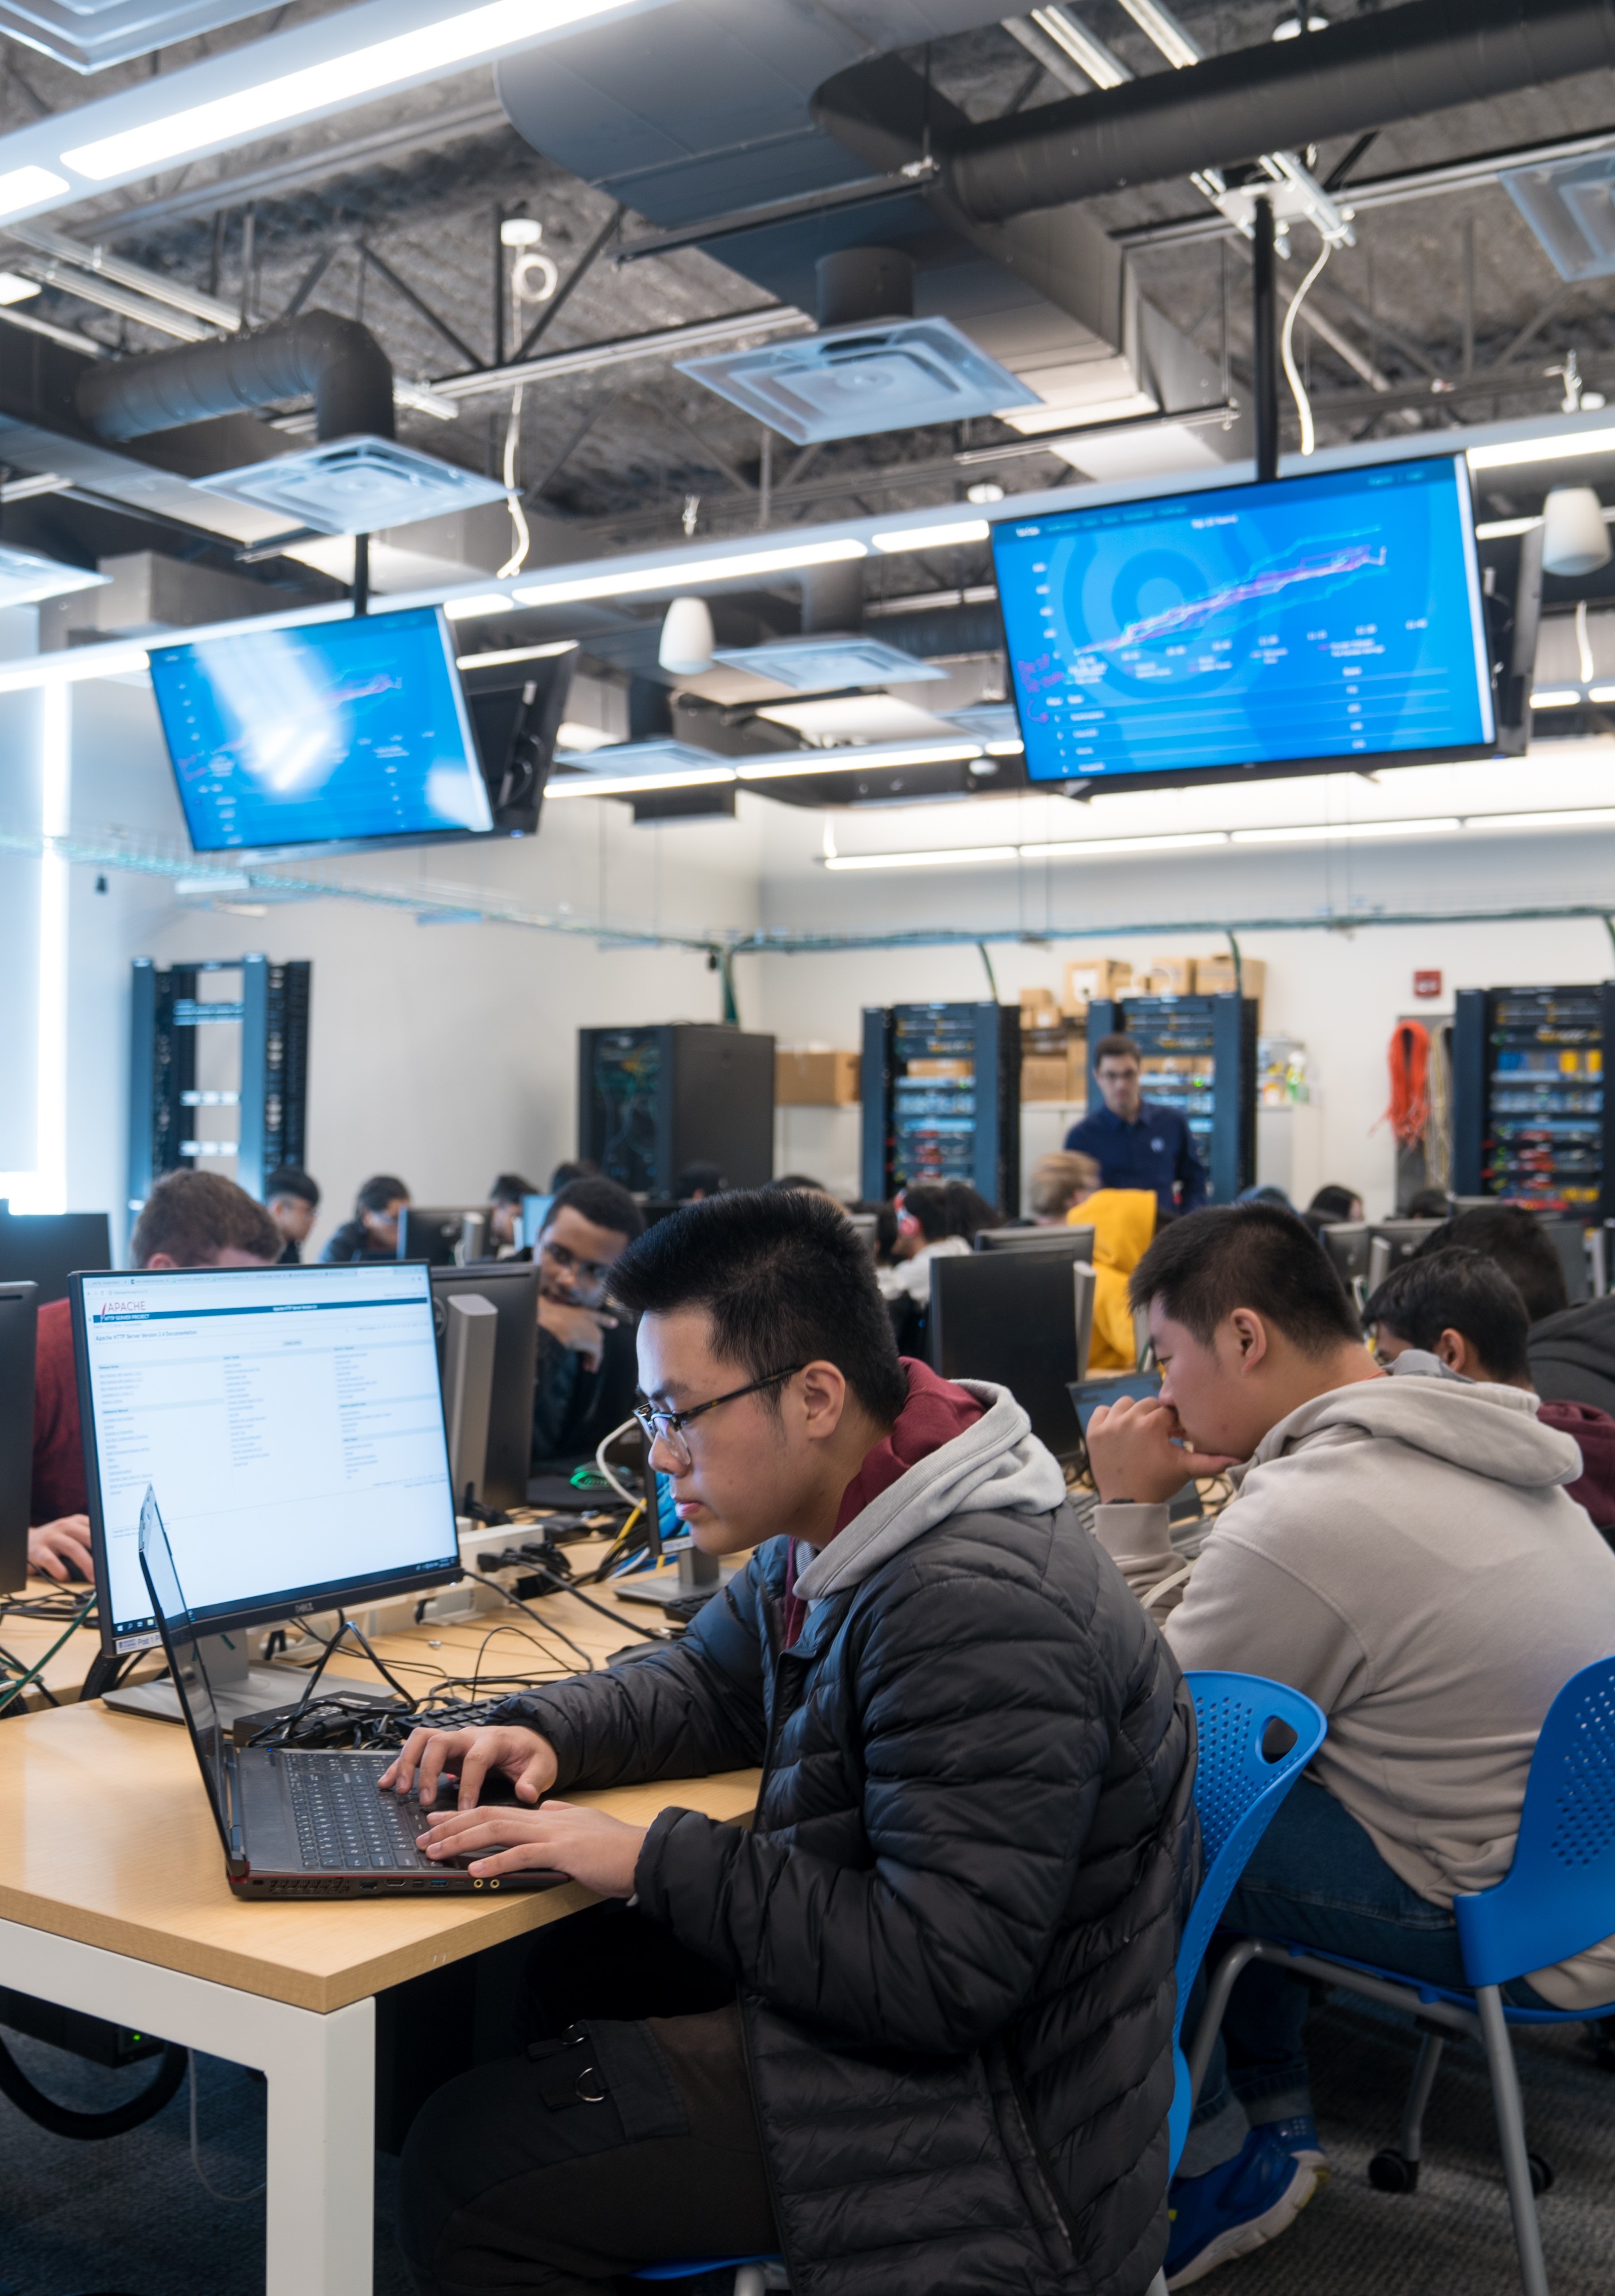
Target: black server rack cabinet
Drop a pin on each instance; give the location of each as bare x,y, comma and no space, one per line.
1530,1117
941,1097
270,1097
651,1100
1198,1056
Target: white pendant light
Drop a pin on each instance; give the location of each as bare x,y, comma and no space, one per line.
1575,539
686,637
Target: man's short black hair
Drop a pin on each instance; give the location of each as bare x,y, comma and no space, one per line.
579,1168
1512,1237
1334,1202
292,1180
1255,1256
928,1202
1455,1290
1119,1047
785,1278
509,1188
381,1189
599,1200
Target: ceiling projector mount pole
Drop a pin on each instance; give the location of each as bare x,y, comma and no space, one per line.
1264,334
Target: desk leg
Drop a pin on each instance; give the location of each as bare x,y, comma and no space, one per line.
321,2072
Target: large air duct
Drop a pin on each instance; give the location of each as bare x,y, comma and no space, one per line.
337,362
1370,72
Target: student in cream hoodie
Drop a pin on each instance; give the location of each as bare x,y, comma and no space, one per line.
1405,1552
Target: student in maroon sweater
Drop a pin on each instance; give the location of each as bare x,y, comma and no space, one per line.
190,1220
1460,1307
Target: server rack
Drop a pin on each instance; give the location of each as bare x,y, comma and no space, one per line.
651,1100
941,1098
1531,1120
1198,1056
271,1095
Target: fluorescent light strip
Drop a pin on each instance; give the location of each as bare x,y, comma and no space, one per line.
71,667
933,538
486,601
1585,816
637,784
1556,697
798,763
1077,849
25,187
674,574
1550,446
454,41
961,856
1500,530
1440,825
515,653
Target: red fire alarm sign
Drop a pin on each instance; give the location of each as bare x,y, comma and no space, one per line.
1426,984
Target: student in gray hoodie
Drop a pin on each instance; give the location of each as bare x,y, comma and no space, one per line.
951,1925
1403,1550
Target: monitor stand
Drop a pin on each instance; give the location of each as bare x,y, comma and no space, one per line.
239,1688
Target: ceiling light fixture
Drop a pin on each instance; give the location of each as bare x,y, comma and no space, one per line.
1556,697
636,784
15,288
1500,530
672,574
486,601
515,653
1326,833
933,538
810,763
1550,446
25,187
961,856
466,36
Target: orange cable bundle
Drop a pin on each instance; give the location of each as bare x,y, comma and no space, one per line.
1409,1110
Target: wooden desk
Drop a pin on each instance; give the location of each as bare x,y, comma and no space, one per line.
113,1900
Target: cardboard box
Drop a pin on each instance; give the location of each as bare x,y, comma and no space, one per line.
1040,1009
1166,976
1045,1076
1214,977
1088,977
815,1080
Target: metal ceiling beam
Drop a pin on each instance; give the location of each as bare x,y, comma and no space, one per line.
574,279
620,351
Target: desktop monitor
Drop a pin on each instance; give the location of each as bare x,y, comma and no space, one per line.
333,733
443,1235
511,1288
1064,1242
535,1211
292,1422
1022,1319
19,1306
1568,1239
44,1249
1330,620
1347,1242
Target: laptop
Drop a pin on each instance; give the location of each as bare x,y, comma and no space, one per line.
296,1821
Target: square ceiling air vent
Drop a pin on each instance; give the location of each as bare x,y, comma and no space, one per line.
89,35
824,665
847,382
25,576
1571,209
355,486
988,721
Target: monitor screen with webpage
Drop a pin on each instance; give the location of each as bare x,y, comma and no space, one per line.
350,731
292,1420
1328,619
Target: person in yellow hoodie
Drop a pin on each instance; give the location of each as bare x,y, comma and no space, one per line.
1123,1221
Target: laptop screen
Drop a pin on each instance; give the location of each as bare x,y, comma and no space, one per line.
185,1660
292,1419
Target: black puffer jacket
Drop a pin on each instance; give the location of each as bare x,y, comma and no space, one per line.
953,1925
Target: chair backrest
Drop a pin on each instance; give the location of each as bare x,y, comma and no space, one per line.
1558,1895
1237,1789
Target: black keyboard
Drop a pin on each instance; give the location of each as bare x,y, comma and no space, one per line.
344,1822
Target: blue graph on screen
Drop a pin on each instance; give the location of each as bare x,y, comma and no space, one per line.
326,733
1331,615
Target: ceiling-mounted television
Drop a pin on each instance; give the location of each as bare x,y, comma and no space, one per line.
331,733
1311,623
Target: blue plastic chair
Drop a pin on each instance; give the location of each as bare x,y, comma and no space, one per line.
1237,1790
1557,1900
749,2274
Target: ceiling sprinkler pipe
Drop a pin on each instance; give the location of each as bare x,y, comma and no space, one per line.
1368,71
336,362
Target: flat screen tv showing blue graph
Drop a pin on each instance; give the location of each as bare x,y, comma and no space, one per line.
326,733
1279,628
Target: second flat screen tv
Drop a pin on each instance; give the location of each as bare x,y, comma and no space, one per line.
326,733
1322,619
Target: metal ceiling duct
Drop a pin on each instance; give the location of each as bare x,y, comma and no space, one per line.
1369,72
336,362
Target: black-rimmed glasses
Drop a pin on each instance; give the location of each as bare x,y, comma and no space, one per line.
668,1427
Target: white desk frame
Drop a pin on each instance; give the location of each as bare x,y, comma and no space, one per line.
320,2203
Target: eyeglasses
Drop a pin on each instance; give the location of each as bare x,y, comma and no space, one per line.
592,1271
668,1427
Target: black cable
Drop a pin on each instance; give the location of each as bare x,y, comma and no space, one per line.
61,2121
554,1584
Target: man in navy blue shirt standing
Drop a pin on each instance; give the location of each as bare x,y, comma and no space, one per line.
1137,1143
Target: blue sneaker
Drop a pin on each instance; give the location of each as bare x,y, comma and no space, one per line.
1300,2137
1241,2205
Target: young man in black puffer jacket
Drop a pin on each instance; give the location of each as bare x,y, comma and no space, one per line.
952,1927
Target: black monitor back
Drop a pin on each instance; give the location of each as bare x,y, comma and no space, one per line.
1011,1317
1567,1239
1062,1242
511,1288
44,1249
432,1232
18,1309
1348,1243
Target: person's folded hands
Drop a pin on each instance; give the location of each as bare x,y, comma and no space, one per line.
586,1845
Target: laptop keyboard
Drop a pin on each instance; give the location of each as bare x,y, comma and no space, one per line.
344,1824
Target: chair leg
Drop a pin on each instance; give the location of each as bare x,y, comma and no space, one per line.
1510,2136
749,2281
1157,2286
1220,1985
1412,2140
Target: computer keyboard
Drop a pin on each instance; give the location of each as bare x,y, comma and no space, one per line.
344,1822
